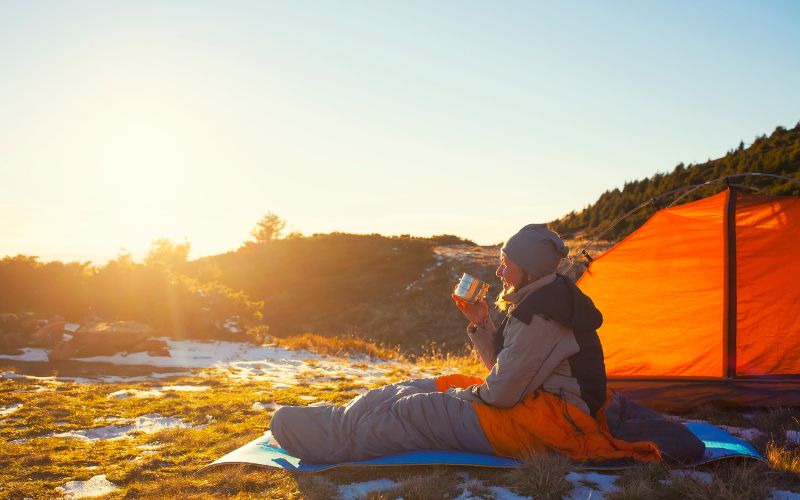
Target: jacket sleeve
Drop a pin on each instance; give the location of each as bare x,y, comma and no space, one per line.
530,355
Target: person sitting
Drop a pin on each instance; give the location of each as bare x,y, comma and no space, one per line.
545,389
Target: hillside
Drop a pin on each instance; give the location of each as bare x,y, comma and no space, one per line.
777,154
393,290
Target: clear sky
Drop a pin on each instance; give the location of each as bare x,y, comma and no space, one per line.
123,122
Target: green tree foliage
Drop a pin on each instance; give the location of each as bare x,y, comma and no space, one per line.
50,289
777,154
293,285
168,255
305,280
450,239
268,228
153,292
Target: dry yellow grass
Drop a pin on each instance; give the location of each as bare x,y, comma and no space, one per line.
164,464
784,458
337,346
541,476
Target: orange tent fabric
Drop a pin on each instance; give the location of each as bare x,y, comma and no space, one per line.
703,291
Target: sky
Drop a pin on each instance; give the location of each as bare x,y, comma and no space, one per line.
126,121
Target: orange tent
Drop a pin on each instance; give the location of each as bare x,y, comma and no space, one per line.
702,304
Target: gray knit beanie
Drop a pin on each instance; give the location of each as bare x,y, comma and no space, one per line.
536,249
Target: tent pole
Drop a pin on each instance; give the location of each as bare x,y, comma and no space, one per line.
729,300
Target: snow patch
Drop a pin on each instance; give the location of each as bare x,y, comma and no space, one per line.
35,388
356,491
19,376
266,406
749,434
498,492
8,410
703,477
184,388
113,379
134,393
28,354
145,423
784,495
232,325
583,484
94,487
155,392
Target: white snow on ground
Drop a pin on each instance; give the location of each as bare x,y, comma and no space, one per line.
134,393
113,379
240,360
497,492
35,388
94,487
232,325
183,388
266,406
18,376
501,493
793,436
8,410
749,434
195,354
703,477
357,491
145,423
784,495
583,483
28,354
468,483
155,392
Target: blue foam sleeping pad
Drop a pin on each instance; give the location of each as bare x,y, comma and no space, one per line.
719,444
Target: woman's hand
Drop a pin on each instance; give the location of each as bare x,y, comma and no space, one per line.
483,337
477,314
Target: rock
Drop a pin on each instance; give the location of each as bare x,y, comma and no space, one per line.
10,343
9,322
109,338
64,350
48,336
27,322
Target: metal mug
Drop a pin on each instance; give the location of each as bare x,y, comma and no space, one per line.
471,289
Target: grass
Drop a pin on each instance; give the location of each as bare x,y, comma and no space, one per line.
541,476
38,464
725,481
165,463
338,346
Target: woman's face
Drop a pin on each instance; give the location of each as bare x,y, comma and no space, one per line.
509,272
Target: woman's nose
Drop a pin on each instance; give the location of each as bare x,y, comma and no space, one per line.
498,272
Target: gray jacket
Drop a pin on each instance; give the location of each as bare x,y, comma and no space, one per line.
549,324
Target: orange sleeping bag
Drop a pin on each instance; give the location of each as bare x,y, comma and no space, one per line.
544,421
